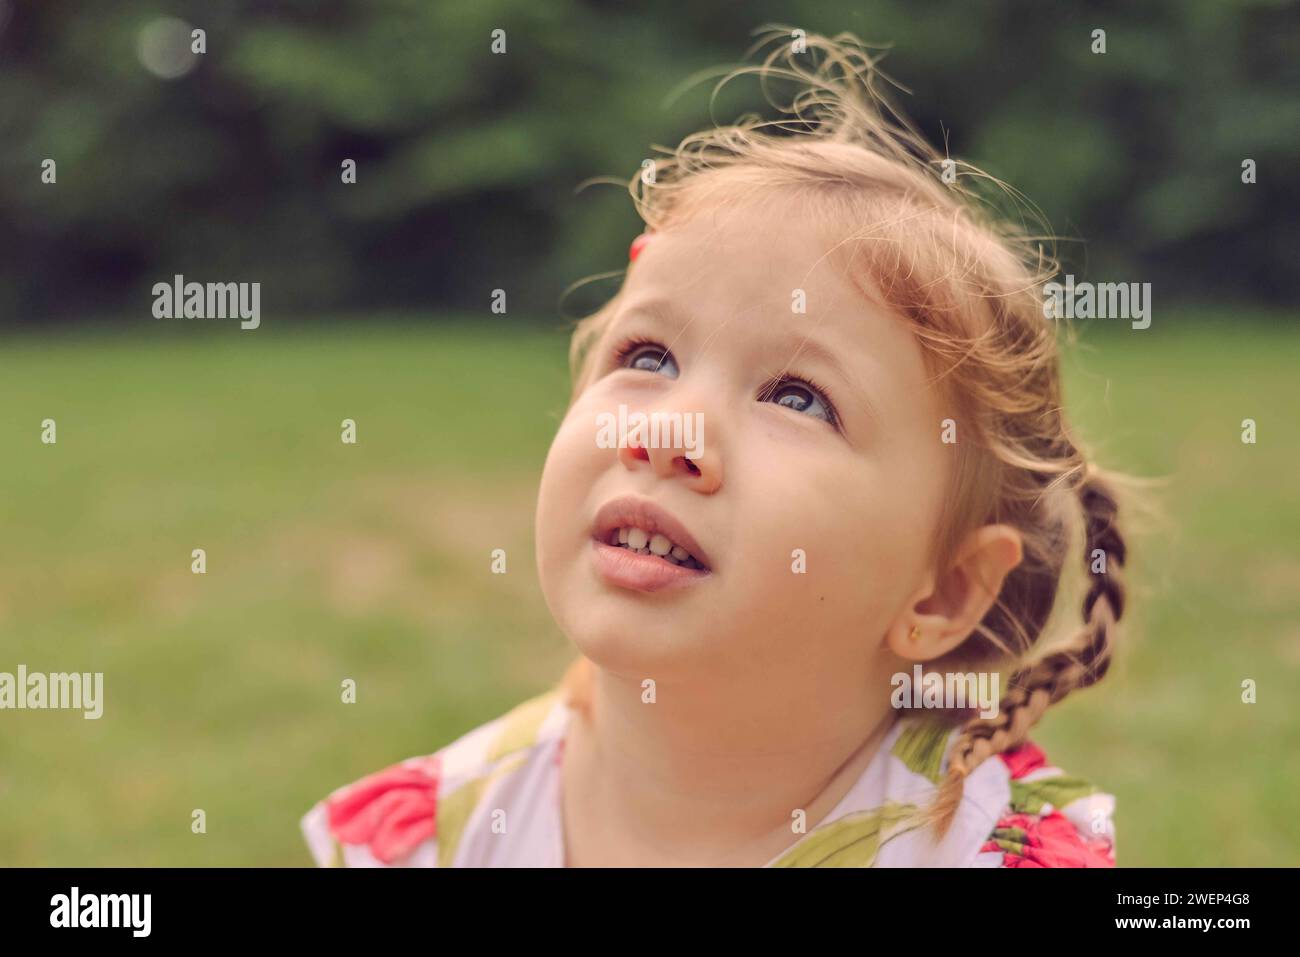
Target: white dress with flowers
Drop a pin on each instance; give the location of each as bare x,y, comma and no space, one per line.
492,799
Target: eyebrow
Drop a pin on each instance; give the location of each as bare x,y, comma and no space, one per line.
825,355
810,346
660,309
667,312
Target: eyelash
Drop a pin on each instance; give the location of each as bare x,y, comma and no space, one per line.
812,386
634,344
630,347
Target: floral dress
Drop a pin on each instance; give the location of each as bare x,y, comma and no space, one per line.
492,799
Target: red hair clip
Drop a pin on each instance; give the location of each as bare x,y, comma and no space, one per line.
638,244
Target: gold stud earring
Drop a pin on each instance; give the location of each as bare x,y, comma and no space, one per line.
914,634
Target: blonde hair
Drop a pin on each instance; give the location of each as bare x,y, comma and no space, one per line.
941,251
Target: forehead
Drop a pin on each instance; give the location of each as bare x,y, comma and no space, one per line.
755,245
771,273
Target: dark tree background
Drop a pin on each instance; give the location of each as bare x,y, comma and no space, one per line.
468,161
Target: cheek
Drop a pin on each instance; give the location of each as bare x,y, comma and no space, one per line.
888,520
573,475
858,525
570,465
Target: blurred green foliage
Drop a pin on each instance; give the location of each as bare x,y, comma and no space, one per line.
468,161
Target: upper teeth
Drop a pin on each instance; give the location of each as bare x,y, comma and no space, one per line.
645,543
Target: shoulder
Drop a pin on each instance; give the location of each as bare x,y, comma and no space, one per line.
1049,819
1016,810
415,812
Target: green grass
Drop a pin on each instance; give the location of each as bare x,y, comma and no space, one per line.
328,561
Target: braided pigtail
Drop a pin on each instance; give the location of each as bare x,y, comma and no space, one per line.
1080,663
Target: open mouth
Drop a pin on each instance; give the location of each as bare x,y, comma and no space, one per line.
640,546
641,542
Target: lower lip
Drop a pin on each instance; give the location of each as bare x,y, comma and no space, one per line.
648,573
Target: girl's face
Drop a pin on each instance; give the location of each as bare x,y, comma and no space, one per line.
811,493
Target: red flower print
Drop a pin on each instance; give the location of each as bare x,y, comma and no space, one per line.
1049,840
392,811
1028,757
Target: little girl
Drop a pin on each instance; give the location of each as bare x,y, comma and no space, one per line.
881,477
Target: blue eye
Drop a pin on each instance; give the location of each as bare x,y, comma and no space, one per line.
803,399
648,357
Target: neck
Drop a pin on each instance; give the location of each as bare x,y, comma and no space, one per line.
710,774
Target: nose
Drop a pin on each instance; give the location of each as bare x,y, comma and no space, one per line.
663,443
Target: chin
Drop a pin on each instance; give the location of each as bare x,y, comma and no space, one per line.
627,636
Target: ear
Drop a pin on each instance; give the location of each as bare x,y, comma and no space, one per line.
944,612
